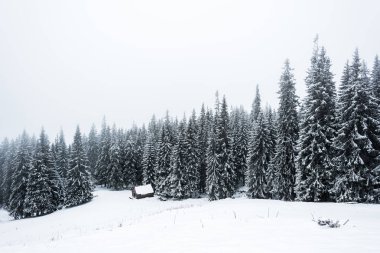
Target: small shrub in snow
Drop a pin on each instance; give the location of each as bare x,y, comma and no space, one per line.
328,222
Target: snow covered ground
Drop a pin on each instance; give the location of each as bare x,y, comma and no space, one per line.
113,222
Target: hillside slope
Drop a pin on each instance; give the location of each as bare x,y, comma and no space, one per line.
113,222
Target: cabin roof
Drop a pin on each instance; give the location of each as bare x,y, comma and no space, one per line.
144,189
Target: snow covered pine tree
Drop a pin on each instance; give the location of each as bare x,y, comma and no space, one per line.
79,186
258,160
318,129
284,161
358,137
43,187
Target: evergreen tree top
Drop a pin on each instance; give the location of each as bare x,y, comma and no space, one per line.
288,97
256,106
43,145
375,78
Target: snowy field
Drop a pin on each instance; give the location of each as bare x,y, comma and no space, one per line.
113,222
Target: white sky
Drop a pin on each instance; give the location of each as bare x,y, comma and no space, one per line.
64,63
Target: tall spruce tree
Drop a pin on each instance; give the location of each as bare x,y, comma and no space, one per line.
178,183
270,119
20,177
104,158
224,143
318,129
62,159
79,186
215,184
220,173
375,87
8,158
149,161
93,149
192,161
43,189
132,159
122,139
258,159
115,179
164,152
60,181
356,175
141,136
284,164
203,133
149,153
240,138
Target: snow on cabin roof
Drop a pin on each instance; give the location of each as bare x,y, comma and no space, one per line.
144,189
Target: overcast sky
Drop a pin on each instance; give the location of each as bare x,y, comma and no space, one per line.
64,63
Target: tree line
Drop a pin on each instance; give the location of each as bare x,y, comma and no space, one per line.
325,147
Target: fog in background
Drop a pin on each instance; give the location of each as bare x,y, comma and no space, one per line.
64,63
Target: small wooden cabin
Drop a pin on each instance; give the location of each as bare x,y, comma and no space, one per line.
143,191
